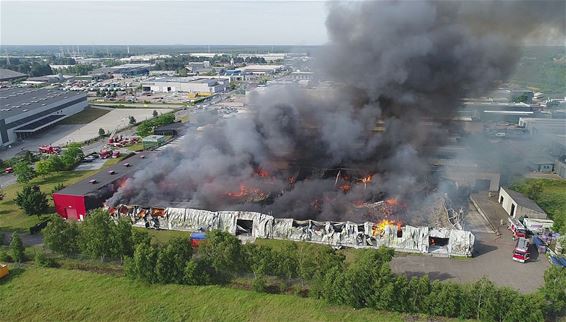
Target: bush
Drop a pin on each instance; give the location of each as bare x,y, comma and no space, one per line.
32,201
145,128
62,236
17,248
259,283
5,257
198,272
42,260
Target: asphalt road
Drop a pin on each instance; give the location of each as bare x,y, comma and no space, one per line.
493,259
6,180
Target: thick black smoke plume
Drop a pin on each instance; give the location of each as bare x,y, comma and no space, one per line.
399,70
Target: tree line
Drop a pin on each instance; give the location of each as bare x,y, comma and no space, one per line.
312,270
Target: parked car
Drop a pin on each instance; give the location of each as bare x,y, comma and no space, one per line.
9,170
89,158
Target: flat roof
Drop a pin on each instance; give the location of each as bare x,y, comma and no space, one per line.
523,201
6,74
14,101
104,177
185,80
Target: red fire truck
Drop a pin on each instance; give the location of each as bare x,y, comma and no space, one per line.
48,149
521,252
519,231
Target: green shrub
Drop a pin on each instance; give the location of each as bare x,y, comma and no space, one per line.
259,284
43,260
5,257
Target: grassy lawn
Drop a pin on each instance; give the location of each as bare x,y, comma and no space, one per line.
552,199
163,236
135,147
84,117
13,218
59,294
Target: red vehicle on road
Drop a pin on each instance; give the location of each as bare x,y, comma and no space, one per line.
521,252
48,149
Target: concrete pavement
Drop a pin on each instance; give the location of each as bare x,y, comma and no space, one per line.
493,260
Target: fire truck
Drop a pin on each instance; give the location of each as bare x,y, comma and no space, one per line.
521,252
48,149
518,229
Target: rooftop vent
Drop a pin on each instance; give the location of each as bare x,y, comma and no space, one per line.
93,181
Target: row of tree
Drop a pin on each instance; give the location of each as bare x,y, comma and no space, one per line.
365,283
99,236
320,271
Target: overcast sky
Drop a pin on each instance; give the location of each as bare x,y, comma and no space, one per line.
162,22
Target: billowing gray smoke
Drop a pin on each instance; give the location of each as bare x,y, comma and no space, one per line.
399,70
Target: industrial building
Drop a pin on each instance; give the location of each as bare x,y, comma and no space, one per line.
560,166
261,69
185,85
153,141
75,201
7,75
517,205
271,57
126,70
543,125
425,240
26,111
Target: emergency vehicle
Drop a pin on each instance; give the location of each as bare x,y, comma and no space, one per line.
521,252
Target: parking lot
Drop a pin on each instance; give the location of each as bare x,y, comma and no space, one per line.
492,259
115,120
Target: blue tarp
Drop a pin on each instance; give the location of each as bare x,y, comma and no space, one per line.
558,261
538,242
198,236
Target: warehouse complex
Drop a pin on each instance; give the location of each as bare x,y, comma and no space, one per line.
26,111
185,85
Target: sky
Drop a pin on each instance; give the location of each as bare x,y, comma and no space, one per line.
162,22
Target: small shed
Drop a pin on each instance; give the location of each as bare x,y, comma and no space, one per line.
153,141
518,205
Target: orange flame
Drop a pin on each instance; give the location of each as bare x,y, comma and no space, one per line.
392,202
246,191
379,228
345,187
316,204
262,172
358,203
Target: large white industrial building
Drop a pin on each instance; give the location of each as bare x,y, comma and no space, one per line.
185,85
26,111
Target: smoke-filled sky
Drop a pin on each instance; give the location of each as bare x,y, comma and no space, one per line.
400,65
190,22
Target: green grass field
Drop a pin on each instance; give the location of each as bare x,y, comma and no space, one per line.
58,294
552,199
84,117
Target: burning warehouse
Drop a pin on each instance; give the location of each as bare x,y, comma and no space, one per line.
442,242
399,70
75,201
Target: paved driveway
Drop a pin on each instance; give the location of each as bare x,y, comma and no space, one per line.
493,260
